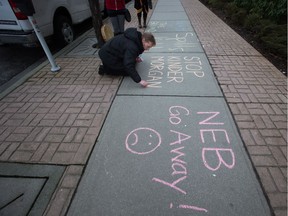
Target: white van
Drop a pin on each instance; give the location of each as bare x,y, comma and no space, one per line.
53,17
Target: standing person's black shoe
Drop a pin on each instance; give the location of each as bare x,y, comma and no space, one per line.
101,70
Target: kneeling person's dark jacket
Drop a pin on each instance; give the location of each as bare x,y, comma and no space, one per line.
119,54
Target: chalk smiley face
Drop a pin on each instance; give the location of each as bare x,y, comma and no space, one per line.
143,141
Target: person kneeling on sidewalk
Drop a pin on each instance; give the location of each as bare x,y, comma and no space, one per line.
119,54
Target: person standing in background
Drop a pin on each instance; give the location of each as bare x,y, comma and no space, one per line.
116,10
142,7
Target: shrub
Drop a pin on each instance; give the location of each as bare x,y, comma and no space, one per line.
265,18
275,10
276,47
252,21
239,17
244,3
262,25
216,3
231,8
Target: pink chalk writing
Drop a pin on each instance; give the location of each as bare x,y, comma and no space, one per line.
195,208
175,112
178,165
214,132
142,141
221,160
212,151
178,155
173,184
181,137
205,122
214,144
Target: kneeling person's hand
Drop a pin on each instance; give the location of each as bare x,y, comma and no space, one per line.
143,83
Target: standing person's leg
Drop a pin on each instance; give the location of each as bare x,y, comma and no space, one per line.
114,21
145,11
139,14
144,18
115,24
121,23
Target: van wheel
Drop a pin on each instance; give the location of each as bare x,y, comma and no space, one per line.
64,31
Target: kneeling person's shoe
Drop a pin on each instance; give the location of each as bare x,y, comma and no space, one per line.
101,70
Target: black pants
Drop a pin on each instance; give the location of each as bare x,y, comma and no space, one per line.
144,11
112,71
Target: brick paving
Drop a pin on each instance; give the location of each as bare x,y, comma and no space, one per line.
56,118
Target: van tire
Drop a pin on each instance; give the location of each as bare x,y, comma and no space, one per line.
63,30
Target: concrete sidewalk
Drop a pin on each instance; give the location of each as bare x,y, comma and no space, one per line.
50,123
